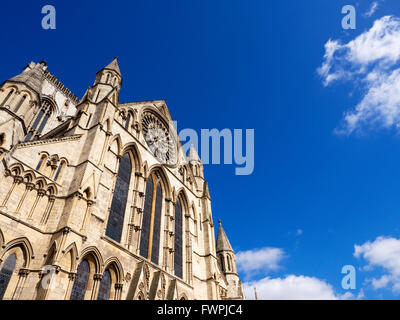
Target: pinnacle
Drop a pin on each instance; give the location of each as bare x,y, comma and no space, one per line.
223,243
193,155
113,65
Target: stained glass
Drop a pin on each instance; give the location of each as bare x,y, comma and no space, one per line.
144,238
6,273
37,120
178,240
105,286
42,125
45,111
35,124
156,225
81,281
120,197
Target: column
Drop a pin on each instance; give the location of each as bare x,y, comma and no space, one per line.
29,187
48,209
17,180
23,274
95,291
86,218
118,291
40,194
72,277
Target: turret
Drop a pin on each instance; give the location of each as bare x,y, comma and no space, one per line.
227,262
195,162
225,253
107,80
197,169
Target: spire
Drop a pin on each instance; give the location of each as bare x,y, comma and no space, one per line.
193,156
107,83
113,65
222,240
206,191
195,164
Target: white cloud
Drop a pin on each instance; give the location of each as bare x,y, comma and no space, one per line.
380,283
372,9
292,287
384,252
371,62
360,295
299,232
259,260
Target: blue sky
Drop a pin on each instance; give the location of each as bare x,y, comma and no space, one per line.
322,183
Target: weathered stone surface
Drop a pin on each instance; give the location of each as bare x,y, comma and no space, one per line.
56,191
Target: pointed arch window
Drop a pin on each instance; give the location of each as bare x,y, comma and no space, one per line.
105,286
6,273
40,121
151,223
120,197
7,97
59,170
20,102
39,165
178,265
81,281
221,260
128,120
228,259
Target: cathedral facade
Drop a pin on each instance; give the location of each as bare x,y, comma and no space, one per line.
98,200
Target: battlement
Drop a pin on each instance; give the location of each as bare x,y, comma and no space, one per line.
53,79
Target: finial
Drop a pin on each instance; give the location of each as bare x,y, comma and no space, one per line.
115,58
255,293
219,221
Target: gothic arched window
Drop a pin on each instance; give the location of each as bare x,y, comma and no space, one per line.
6,273
128,120
105,286
7,97
39,165
19,104
40,121
228,259
59,170
178,239
221,260
120,197
151,223
81,281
